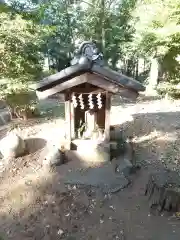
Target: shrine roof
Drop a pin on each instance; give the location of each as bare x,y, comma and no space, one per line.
88,60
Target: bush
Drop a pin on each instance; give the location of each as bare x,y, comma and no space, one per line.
169,89
21,101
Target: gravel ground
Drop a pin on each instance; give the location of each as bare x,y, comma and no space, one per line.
34,204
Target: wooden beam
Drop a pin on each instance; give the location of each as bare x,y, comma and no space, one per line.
68,118
102,83
107,116
72,120
117,78
85,88
110,86
92,79
62,76
61,87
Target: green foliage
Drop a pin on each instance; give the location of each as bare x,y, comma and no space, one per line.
61,17
20,97
126,31
157,34
21,59
169,89
19,48
108,23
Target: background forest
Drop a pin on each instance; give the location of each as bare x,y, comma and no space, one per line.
140,38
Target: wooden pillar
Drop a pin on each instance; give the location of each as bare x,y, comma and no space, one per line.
107,116
68,119
72,119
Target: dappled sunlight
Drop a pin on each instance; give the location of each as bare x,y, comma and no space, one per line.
88,154
121,114
54,134
75,160
127,111
149,137
36,203
169,137
159,148
155,130
48,126
157,136
118,116
91,157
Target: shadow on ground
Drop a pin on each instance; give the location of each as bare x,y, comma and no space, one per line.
34,144
157,137
118,100
49,211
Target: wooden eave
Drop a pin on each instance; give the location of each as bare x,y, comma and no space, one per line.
93,79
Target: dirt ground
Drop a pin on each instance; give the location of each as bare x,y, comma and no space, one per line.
34,203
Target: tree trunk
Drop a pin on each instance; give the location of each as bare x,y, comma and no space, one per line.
137,69
163,191
103,40
154,71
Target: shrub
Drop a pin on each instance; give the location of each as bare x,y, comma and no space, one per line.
21,101
170,89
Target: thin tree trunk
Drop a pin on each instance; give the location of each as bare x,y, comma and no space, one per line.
103,40
137,69
153,76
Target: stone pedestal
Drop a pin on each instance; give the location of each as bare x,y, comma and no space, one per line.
90,151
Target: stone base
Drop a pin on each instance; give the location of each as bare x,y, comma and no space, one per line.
90,151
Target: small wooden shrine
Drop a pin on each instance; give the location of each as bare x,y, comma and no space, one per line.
88,85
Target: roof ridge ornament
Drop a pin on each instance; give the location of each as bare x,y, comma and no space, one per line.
90,51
